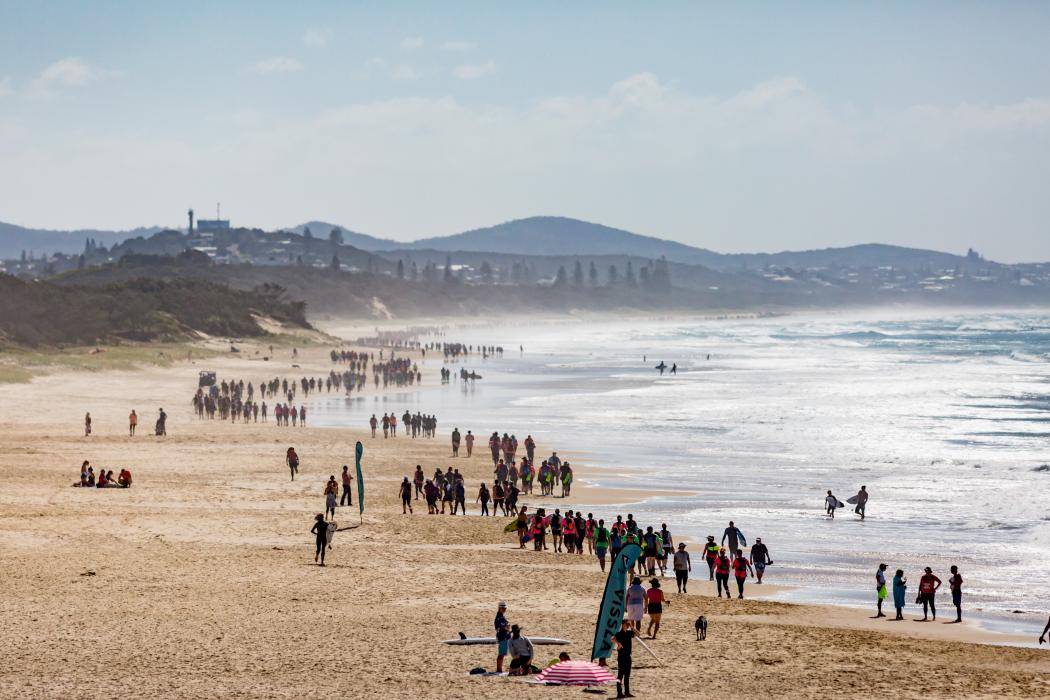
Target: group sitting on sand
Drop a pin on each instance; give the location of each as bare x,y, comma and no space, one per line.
105,479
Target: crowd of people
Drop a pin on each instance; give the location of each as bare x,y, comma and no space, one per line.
929,584
412,425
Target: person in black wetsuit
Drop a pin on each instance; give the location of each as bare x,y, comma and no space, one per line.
623,640
320,529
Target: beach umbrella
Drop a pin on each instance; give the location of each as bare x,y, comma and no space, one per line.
575,673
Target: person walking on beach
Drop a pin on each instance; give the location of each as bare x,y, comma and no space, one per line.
623,640
667,548
636,603
455,442
722,566
460,495
469,439
830,504
654,605
320,530
347,481
522,526
292,459
880,588
955,584
494,447
601,543
928,586
331,491
1042,637
760,558
502,635
483,499
862,501
741,568
87,424
133,420
900,593
418,480
556,540
735,537
682,567
711,555
373,424
405,492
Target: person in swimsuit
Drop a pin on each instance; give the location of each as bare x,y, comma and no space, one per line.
955,584
320,530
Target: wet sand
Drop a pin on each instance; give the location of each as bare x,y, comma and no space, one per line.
199,581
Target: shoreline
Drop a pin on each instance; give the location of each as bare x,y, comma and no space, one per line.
207,560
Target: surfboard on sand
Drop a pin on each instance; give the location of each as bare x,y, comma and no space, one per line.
470,641
852,500
332,527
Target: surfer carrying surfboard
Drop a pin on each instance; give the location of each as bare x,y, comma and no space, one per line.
831,503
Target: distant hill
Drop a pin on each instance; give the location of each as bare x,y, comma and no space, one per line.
14,239
322,229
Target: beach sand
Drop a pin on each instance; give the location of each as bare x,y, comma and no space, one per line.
199,581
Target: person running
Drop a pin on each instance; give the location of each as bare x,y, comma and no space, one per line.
320,530
900,593
830,504
741,568
955,584
682,567
654,604
502,635
928,586
760,558
347,482
735,537
711,555
133,421
722,566
862,501
601,543
623,639
292,459
331,492
483,498
880,588
636,603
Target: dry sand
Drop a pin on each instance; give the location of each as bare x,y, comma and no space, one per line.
199,581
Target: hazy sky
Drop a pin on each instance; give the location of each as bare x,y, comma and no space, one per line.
732,126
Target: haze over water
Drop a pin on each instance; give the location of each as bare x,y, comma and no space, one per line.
945,418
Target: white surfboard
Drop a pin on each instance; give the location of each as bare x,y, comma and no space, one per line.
852,500
332,527
470,641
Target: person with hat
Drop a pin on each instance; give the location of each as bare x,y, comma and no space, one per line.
880,588
502,635
521,652
711,555
928,586
682,567
760,558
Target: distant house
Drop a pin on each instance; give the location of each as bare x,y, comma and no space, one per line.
212,225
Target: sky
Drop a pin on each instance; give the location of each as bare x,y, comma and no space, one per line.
738,127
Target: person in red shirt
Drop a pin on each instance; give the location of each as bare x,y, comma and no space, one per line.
654,603
722,566
741,568
928,586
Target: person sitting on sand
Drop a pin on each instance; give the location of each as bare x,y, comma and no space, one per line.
101,483
124,480
521,652
564,656
85,470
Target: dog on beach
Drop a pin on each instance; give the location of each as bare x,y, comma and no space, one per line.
701,628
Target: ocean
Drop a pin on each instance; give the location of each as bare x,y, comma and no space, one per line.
945,417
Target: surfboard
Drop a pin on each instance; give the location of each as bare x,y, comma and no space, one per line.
839,504
852,500
512,526
470,641
332,527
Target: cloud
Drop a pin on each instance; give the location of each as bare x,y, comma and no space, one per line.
457,46
5,87
277,65
70,72
405,72
411,43
474,71
318,37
